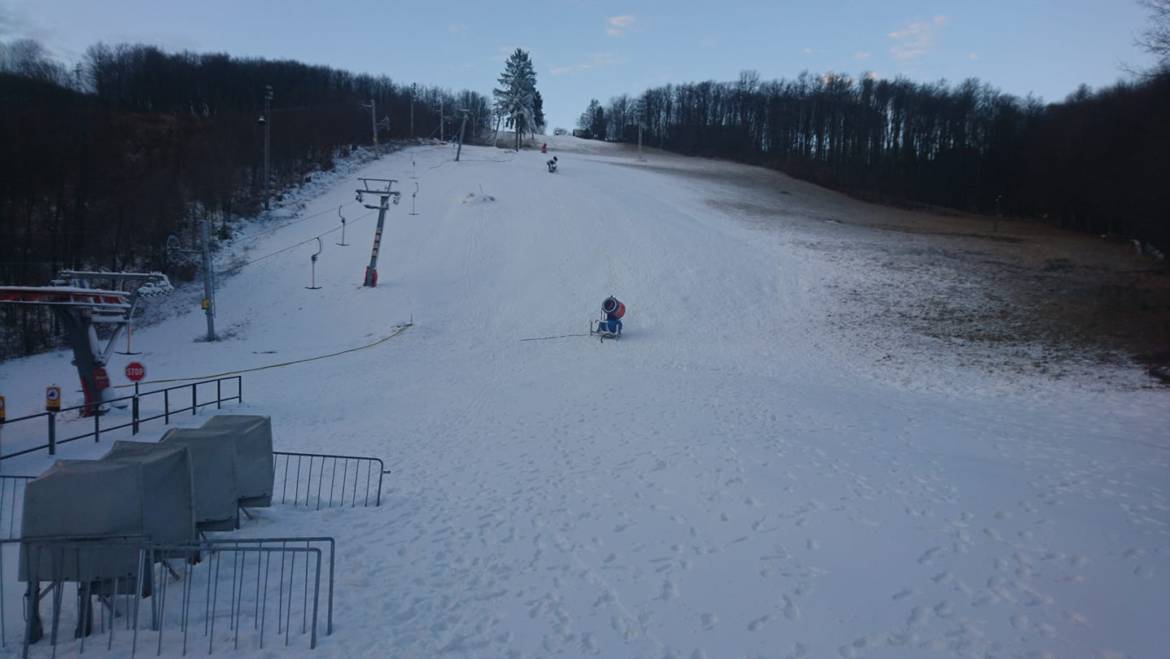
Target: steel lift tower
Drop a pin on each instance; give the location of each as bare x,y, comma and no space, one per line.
80,306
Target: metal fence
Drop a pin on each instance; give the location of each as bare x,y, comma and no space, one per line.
143,406
220,594
317,480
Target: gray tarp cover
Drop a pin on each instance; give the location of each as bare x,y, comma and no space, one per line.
253,436
168,507
145,490
213,458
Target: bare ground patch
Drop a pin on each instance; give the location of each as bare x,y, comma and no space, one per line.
1000,294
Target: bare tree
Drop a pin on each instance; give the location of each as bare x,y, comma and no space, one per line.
1156,38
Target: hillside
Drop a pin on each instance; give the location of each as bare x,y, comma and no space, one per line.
777,459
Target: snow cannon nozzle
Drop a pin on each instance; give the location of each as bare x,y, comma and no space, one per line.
613,307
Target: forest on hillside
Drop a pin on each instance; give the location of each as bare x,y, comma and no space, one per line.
100,164
1097,161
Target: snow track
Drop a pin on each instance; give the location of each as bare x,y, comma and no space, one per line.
735,477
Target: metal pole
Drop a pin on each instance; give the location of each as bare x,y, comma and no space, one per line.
413,91
208,288
462,127
373,122
267,139
134,411
441,139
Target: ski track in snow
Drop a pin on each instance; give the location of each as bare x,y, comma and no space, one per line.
729,479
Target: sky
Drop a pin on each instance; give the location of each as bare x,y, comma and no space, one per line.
587,49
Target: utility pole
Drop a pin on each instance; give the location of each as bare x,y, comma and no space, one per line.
413,91
208,286
373,123
462,127
267,121
441,138
640,112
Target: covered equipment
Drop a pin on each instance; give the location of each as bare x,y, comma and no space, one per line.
252,436
138,490
213,460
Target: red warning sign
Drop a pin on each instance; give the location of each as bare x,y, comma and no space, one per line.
135,371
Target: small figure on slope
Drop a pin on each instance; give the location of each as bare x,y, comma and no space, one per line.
544,148
552,165
610,324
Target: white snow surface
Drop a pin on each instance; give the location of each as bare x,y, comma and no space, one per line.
732,478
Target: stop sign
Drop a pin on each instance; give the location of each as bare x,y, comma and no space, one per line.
101,378
135,371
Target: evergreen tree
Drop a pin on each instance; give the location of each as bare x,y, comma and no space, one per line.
516,95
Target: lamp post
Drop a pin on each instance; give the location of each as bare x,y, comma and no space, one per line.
266,121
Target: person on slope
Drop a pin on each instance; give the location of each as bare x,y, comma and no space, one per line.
612,311
552,164
544,148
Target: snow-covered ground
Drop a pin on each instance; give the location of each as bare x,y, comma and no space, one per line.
739,475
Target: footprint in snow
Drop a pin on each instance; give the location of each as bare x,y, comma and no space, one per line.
928,555
791,610
759,623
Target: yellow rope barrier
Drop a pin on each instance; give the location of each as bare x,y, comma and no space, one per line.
397,330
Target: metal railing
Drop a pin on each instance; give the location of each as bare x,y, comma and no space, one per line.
322,480
235,579
141,411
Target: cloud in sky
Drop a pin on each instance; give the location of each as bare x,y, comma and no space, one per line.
616,26
595,61
502,53
457,28
913,40
862,55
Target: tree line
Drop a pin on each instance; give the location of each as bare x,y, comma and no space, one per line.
101,163
1097,161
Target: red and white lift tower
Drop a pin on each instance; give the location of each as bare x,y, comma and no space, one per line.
79,305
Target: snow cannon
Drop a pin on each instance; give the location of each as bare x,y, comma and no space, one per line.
613,308
609,326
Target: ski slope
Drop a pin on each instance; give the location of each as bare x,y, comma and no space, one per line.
737,476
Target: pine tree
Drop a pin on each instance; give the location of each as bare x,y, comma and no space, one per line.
516,95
